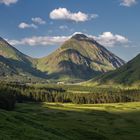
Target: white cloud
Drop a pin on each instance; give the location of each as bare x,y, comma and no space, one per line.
63,27
128,3
40,40
64,14
8,2
38,20
24,25
107,39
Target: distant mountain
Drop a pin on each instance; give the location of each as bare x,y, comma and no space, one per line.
14,64
127,74
79,58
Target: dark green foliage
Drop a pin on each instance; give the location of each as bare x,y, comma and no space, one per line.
7,98
70,94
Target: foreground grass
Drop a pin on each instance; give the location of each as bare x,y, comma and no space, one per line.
32,121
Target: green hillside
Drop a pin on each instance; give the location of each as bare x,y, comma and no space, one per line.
127,74
16,65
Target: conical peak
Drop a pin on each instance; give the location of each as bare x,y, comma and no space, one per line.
79,36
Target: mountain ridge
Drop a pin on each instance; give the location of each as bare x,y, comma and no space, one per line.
128,74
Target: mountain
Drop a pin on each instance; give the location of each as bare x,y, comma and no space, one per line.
14,64
127,74
79,58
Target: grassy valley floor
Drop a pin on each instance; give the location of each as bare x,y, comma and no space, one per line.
52,121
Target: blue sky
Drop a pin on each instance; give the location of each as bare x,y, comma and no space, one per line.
38,27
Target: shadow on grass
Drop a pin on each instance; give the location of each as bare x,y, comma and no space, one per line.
56,122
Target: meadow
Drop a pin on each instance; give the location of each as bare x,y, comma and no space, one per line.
68,112
57,121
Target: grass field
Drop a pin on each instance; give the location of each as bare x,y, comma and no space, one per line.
54,121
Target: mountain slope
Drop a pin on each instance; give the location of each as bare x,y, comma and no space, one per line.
13,63
79,58
127,74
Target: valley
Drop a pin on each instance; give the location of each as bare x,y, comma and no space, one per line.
80,91
69,70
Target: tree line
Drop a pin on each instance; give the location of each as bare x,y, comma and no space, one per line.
12,93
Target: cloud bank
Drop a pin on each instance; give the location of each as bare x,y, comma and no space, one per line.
110,40
107,39
40,41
